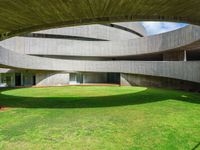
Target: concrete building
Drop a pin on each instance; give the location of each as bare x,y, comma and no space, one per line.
77,42
119,53
61,45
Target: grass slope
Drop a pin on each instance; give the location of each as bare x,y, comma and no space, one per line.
92,118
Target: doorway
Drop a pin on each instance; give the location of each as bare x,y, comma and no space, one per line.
34,80
18,79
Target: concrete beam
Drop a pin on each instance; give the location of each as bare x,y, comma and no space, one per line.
189,71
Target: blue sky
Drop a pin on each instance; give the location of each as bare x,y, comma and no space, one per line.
161,27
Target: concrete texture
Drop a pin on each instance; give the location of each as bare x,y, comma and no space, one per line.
181,39
173,69
159,82
110,39
99,31
51,79
21,16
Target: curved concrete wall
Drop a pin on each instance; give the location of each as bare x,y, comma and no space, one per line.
133,26
55,45
101,31
17,50
179,39
159,82
21,16
52,78
189,71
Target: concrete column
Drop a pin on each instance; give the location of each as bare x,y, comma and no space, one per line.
185,55
22,79
12,78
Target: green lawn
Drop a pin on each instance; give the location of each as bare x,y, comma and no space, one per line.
93,118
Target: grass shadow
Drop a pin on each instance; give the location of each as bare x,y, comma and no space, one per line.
149,95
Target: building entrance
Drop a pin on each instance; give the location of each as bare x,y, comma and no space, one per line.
94,78
18,79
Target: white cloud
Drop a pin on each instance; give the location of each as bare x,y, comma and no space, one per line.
161,27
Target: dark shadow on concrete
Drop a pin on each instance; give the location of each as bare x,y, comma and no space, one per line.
148,96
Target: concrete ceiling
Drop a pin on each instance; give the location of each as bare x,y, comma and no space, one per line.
22,16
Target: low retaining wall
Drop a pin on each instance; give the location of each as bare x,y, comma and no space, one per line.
160,82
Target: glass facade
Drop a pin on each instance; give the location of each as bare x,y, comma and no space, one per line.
17,79
87,78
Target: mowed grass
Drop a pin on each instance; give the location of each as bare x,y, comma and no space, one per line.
99,118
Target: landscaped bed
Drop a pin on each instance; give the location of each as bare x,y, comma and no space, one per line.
99,118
